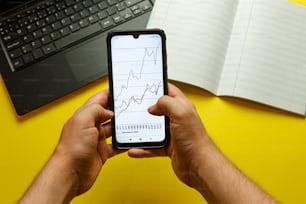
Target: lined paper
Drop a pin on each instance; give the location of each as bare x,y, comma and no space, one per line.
253,49
197,37
266,58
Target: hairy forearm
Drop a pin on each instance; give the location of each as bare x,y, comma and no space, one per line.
219,181
56,183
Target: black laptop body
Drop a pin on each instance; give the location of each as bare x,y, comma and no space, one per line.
33,80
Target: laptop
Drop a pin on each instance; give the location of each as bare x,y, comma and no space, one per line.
49,48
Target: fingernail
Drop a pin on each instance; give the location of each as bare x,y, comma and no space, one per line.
149,109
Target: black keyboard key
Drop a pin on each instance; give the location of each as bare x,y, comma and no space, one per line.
111,2
60,15
2,24
50,19
41,6
84,13
64,31
121,6
137,12
132,2
84,23
69,2
36,44
69,11
117,18
74,37
60,5
93,9
37,34
112,10
78,7
15,44
126,14
102,14
26,48
45,40
107,23
56,25
40,23
8,37
51,9
55,35
4,31
145,5
15,53
42,14
66,21
87,3
28,58
21,31
18,63
75,17
48,49
135,7
27,38
32,27
103,5
32,18
93,19
49,2
37,53
23,22
74,27
13,26
46,30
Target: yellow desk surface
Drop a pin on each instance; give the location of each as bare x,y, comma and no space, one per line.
269,145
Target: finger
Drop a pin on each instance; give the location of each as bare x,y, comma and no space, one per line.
113,152
107,151
144,153
174,91
105,130
166,105
100,98
92,114
178,94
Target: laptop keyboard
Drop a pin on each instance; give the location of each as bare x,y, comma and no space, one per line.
53,25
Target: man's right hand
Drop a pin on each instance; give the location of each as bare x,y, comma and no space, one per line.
196,160
188,135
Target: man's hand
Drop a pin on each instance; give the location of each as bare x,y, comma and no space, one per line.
83,140
196,160
79,156
188,135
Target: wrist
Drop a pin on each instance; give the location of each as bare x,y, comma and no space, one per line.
56,183
66,180
203,164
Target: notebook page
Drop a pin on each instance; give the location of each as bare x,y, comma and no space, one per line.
197,37
266,56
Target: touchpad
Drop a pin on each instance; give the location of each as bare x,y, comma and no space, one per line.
88,59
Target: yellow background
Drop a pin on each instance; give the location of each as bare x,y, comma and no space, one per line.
269,145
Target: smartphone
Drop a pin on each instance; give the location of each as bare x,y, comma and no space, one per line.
137,71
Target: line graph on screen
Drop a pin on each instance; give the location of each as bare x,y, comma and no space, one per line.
138,83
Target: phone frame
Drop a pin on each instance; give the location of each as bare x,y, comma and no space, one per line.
136,33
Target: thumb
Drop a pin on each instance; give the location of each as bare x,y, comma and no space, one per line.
166,105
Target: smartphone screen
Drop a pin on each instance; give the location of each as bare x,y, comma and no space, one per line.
138,78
